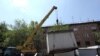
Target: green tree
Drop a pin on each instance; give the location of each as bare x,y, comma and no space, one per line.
39,39
17,34
32,25
3,30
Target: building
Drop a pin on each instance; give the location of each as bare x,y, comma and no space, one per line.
84,32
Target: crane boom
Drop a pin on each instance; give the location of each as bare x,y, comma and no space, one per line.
29,39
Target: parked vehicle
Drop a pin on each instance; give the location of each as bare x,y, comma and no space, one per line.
2,51
11,51
89,51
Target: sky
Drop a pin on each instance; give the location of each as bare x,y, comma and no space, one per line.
69,11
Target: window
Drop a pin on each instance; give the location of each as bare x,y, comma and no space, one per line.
93,28
75,29
78,43
87,43
86,35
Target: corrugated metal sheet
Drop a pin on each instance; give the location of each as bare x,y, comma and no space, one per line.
60,40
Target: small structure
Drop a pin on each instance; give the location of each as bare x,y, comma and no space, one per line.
61,43
84,32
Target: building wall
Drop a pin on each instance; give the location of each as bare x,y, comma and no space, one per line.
84,33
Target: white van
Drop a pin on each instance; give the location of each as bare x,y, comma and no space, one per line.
89,51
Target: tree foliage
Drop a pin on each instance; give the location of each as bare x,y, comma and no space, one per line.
58,27
97,37
3,30
18,33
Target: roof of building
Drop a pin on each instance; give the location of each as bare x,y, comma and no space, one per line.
91,47
60,31
98,22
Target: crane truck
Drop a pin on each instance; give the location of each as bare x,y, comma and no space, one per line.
28,47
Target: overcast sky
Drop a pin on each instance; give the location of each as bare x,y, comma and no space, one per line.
69,11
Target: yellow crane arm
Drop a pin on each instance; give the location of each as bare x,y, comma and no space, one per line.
30,38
